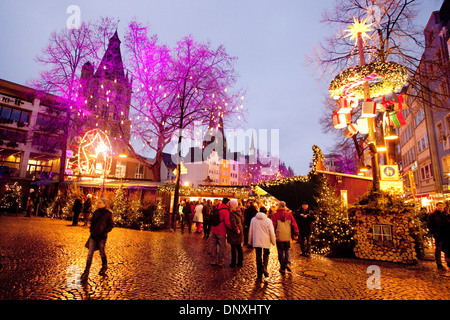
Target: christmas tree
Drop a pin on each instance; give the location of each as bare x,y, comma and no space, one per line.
119,207
332,233
12,198
159,216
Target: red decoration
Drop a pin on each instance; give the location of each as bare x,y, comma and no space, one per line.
339,120
351,130
400,104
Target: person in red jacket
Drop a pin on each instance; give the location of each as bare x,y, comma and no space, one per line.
285,229
219,234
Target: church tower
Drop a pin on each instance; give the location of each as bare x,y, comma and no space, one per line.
214,139
107,93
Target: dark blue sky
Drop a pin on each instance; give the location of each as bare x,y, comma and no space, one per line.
270,38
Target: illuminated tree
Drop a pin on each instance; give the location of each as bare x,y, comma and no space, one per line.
332,230
63,58
175,87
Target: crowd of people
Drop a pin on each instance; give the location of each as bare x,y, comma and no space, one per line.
246,223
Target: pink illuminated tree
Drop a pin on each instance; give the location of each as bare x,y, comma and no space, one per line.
63,58
175,88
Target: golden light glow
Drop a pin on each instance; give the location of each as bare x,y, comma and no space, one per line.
358,27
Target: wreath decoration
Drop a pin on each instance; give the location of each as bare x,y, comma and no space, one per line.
383,77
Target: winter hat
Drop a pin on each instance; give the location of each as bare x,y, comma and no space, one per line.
104,200
233,204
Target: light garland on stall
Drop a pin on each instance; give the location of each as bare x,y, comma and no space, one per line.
317,158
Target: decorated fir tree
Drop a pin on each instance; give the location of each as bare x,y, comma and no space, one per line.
159,216
119,207
12,198
332,233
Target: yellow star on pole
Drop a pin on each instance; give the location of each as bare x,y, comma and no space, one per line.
358,27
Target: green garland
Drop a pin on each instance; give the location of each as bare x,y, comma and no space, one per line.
393,75
317,157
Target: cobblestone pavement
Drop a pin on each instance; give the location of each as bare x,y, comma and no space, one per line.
39,258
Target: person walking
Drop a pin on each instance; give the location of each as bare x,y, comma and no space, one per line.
207,208
249,212
285,229
198,217
445,241
102,223
87,209
187,216
435,223
30,203
305,218
235,235
219,232
261,236
76,209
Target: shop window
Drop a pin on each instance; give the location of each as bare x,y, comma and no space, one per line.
139,171
121,169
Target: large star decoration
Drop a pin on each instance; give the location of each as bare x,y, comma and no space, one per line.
93,143
358,27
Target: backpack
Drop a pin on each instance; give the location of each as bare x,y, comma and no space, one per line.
214,219
283,230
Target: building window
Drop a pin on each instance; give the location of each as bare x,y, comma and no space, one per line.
444,90
139,171
426,172
13,135
430,38
422,144
446,165
11,115
382,233
419,117
447,122
121,169
440,131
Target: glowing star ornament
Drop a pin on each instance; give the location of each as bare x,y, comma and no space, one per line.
94,157
358,28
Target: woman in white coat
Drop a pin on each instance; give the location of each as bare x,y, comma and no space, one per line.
261,235
198,216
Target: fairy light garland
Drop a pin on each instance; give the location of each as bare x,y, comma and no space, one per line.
317,158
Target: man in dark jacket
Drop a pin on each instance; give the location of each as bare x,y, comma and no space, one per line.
76,209
305,218
101,224
249,213
435,223
187,216
87,209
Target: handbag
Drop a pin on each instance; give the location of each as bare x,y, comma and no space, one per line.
95,246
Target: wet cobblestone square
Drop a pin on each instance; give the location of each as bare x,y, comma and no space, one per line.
41,257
